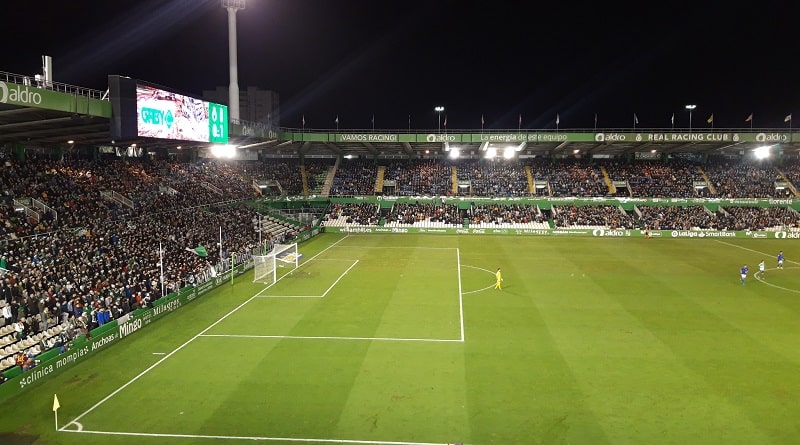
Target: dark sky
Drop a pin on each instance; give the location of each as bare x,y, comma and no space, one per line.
392,59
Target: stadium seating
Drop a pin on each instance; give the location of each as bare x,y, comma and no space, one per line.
164,200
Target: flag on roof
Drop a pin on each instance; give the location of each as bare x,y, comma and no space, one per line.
749,118
710,119
788,118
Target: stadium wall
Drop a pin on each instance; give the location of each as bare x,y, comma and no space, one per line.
546,203
562,232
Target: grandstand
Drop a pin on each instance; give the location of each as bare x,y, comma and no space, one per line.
96,232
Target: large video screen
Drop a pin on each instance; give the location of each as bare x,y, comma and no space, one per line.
167,115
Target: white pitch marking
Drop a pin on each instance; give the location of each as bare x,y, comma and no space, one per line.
289,296
756,251
137,377
460,293
479,290
340,277
397,247
270,439
760,277
308,337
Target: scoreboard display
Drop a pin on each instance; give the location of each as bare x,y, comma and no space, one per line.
142,110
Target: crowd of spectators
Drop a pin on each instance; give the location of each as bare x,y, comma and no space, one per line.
758,218
355,177
649,179
316,173
511,213
92,260
609,216
568,177
420,177
411,213
737,179
285,171
493,178
363,214
677,218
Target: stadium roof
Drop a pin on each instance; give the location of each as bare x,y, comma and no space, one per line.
84,117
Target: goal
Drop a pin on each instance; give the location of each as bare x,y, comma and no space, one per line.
266,266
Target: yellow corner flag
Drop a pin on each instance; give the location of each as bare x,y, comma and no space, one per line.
56,405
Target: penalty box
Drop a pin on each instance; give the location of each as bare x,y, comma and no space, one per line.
409,293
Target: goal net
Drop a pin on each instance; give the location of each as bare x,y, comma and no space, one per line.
265,267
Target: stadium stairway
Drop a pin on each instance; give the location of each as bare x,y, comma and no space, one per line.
711,187
529,176
791,186
454,180
379,179
611,188
326,187
304,178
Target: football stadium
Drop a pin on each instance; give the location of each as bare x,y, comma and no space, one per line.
172,275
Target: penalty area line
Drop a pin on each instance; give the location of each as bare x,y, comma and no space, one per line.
174,351
258,438
310,337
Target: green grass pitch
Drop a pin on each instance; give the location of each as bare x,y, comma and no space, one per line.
401,339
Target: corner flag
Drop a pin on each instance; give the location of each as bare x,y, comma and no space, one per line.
56,405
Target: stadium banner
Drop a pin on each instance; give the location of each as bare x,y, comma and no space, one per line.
28,96
542,136
379,137
672,137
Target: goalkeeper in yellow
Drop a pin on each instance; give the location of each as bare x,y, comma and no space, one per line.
499,280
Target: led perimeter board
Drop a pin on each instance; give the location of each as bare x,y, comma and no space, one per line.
142,110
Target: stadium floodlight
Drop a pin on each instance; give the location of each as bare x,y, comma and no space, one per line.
233,67
762,152
690,108
455,152
521,146
508,153
223,151
438,109
490,152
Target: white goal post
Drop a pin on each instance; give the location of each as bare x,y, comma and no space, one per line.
265,267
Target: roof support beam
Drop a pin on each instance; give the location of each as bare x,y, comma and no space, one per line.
333,148
371,148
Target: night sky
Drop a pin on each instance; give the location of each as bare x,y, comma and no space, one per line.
395,59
